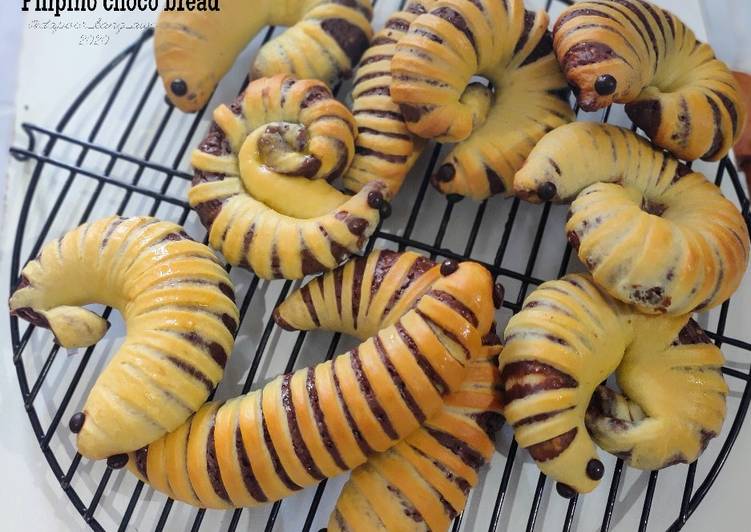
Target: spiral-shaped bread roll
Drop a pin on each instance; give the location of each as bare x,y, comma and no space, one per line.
178,306
633,52
652,232
261,183
320,421
385,150
567,339
195,49
423,482
497,125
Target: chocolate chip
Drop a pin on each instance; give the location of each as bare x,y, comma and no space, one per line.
385,210
595,469
445,173
498,294
117,461
547,191
76,422
357,226
605,85
564,490
448,267
179,87
375,199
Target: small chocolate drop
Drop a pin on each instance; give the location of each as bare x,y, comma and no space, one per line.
448,267
375,199
117,461
605,85
547,191
76,422
446,172
498,293
179,87
564,490
595,469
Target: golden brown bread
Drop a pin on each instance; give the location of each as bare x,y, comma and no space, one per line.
320,421
195,49
567,339
633,52
177,302
652,232
495,126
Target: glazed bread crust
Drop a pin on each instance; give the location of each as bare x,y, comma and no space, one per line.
652,232
261,184
195,49
423,482
177,302
320,421
633,52
567,339
497,126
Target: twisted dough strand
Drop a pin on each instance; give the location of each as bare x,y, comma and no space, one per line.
423,482
495,127
567,339
652,232
178,305
320,421
195,49
633,52
261,187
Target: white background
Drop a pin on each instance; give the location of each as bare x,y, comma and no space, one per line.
30,498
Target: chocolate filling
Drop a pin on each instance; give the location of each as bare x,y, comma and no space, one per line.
301,449
573,13
634,9
216,142
460,448
455,305
277,464
460,482
540,417
718,137
587,53
350,38
455,18
647,114
309,305
409,510
32,316
654,296
495,182
489,422
380,41
730,107
373,403
418,268
212,465
246,470
413,113
552,379
435,378
310,263
409,400
691,334
375,59
369,76
549,449
367,152
208,211
215,350
386,259
399,24
529,20
653,207
141,461
192,371
338,278
357,276
323,430
361,442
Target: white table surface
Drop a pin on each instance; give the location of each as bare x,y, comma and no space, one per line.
30,498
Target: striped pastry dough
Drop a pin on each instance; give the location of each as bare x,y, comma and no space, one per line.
320,421
195,49
652,232
261,182
423,482
568,338
385,150
633,52
178,305
495,128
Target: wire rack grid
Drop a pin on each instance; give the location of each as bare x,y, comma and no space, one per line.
85,167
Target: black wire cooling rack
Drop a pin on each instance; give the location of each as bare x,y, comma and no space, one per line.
74,175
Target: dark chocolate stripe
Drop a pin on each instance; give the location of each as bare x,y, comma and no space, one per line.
278,468
350,38
357,277
108,232
386,259
381,90
370,75
367,152
553,379
369,130
212,465
338,279
310,263
308,300
495,182
580,12
379,113
445,332
435,378
141,460
367,390
246,470
731,109
382,40
323,430
460,482
407,506
456,305
361,442
376,59
215,350
460,448
718,136
191,370
588,53
643,19
549,449
542,49
529,20
541,417
456,19
396,23
417,269
301,449
409,400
